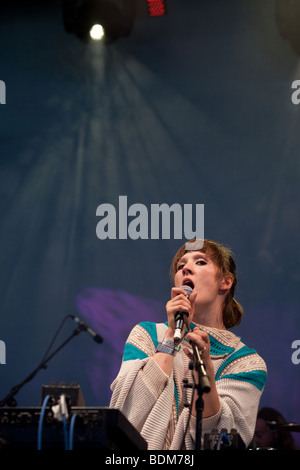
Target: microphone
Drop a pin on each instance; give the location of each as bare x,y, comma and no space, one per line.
179,318
86,328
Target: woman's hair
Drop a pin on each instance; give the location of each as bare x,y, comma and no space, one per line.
221,256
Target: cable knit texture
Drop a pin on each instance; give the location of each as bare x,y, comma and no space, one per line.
154,403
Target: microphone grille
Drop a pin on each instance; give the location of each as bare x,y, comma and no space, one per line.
187,289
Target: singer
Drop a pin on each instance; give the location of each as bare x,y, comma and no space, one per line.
149,387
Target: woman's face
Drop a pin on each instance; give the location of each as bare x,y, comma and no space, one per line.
198,271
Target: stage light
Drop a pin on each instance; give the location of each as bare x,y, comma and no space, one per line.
157,7
97,32
84,18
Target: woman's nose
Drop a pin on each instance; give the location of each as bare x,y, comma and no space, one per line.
187,269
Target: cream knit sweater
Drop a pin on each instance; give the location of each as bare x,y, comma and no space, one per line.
154,402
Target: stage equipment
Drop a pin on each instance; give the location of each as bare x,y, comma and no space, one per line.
37,428
10,400
156,8
223,440
291,427
72,393
99,19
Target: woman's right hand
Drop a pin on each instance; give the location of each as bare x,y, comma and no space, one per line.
178,303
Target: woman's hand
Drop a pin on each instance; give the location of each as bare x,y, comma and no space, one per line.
201,340
178,303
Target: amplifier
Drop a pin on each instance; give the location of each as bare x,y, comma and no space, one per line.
87,427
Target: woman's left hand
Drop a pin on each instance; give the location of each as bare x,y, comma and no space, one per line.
201,340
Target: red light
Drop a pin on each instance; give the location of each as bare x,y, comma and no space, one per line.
157,7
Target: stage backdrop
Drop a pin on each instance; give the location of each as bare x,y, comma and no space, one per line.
196,107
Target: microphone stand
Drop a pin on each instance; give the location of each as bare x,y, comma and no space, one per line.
9,400
202,386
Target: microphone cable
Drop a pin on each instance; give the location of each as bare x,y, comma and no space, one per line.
41,422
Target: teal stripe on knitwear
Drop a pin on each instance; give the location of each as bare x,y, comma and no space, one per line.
132,352
216,348
255,377
244,351
176,398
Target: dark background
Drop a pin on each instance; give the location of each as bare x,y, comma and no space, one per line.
192,108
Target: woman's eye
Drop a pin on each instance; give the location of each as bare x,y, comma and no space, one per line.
200,262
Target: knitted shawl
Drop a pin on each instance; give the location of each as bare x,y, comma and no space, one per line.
155,403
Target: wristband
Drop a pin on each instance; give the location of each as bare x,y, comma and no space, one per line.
167,346
168,342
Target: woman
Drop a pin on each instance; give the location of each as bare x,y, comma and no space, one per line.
149,387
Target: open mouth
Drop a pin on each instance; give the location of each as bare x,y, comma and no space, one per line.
188,282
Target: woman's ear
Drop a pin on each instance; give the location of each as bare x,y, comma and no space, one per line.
226,283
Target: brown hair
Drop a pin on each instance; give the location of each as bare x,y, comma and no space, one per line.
222,257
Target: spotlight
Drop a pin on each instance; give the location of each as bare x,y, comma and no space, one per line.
97,19
97,32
